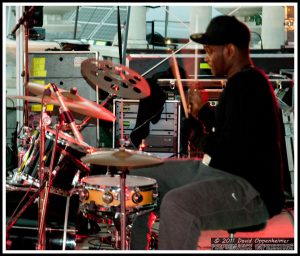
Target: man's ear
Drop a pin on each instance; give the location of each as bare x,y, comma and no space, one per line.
230,50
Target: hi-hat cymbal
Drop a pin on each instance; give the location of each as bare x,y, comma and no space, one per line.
75,103
121,158
115,79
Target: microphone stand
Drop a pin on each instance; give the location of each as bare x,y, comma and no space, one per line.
25,20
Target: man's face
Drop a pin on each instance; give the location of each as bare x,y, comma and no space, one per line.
216,59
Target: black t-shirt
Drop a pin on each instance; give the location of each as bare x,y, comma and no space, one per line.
246,141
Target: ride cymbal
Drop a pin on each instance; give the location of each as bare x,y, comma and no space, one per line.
115,79
121,158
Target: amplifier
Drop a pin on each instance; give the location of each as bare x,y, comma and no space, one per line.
164,136
64,69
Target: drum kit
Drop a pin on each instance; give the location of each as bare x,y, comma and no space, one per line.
55,159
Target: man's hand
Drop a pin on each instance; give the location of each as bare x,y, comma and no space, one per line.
196,100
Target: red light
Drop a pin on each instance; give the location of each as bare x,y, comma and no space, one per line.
151,221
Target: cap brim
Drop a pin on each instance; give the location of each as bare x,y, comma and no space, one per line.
202,38
199,38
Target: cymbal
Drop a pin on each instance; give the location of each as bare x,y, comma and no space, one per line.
115,79
38,89
75,103
121,158
71,141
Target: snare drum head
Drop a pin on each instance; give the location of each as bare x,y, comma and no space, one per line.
130,181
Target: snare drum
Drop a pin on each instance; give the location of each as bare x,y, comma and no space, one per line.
100,194
66,162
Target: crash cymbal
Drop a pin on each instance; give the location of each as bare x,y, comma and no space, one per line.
70,141
121,158
38,89
115,79
75,103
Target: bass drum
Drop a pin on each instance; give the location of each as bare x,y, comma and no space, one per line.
99,195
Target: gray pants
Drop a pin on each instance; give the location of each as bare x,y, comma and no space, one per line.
196,197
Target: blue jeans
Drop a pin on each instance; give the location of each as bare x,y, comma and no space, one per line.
196,197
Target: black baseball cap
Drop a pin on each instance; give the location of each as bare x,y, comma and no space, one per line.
224,29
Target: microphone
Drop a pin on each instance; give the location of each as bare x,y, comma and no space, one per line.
46,119
47,91
67,114
25,17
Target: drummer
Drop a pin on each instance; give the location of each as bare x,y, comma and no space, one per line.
238,182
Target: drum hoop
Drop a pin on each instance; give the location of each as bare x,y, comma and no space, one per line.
96,186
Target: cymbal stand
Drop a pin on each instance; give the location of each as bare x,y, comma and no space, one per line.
44,195
110,96
42,174
61,120
122,172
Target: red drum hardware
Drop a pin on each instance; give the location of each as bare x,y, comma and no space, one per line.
56,160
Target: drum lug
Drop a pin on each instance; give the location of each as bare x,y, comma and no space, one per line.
155,194
83,194
107,197
137,197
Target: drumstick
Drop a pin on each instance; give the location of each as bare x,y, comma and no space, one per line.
176,74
